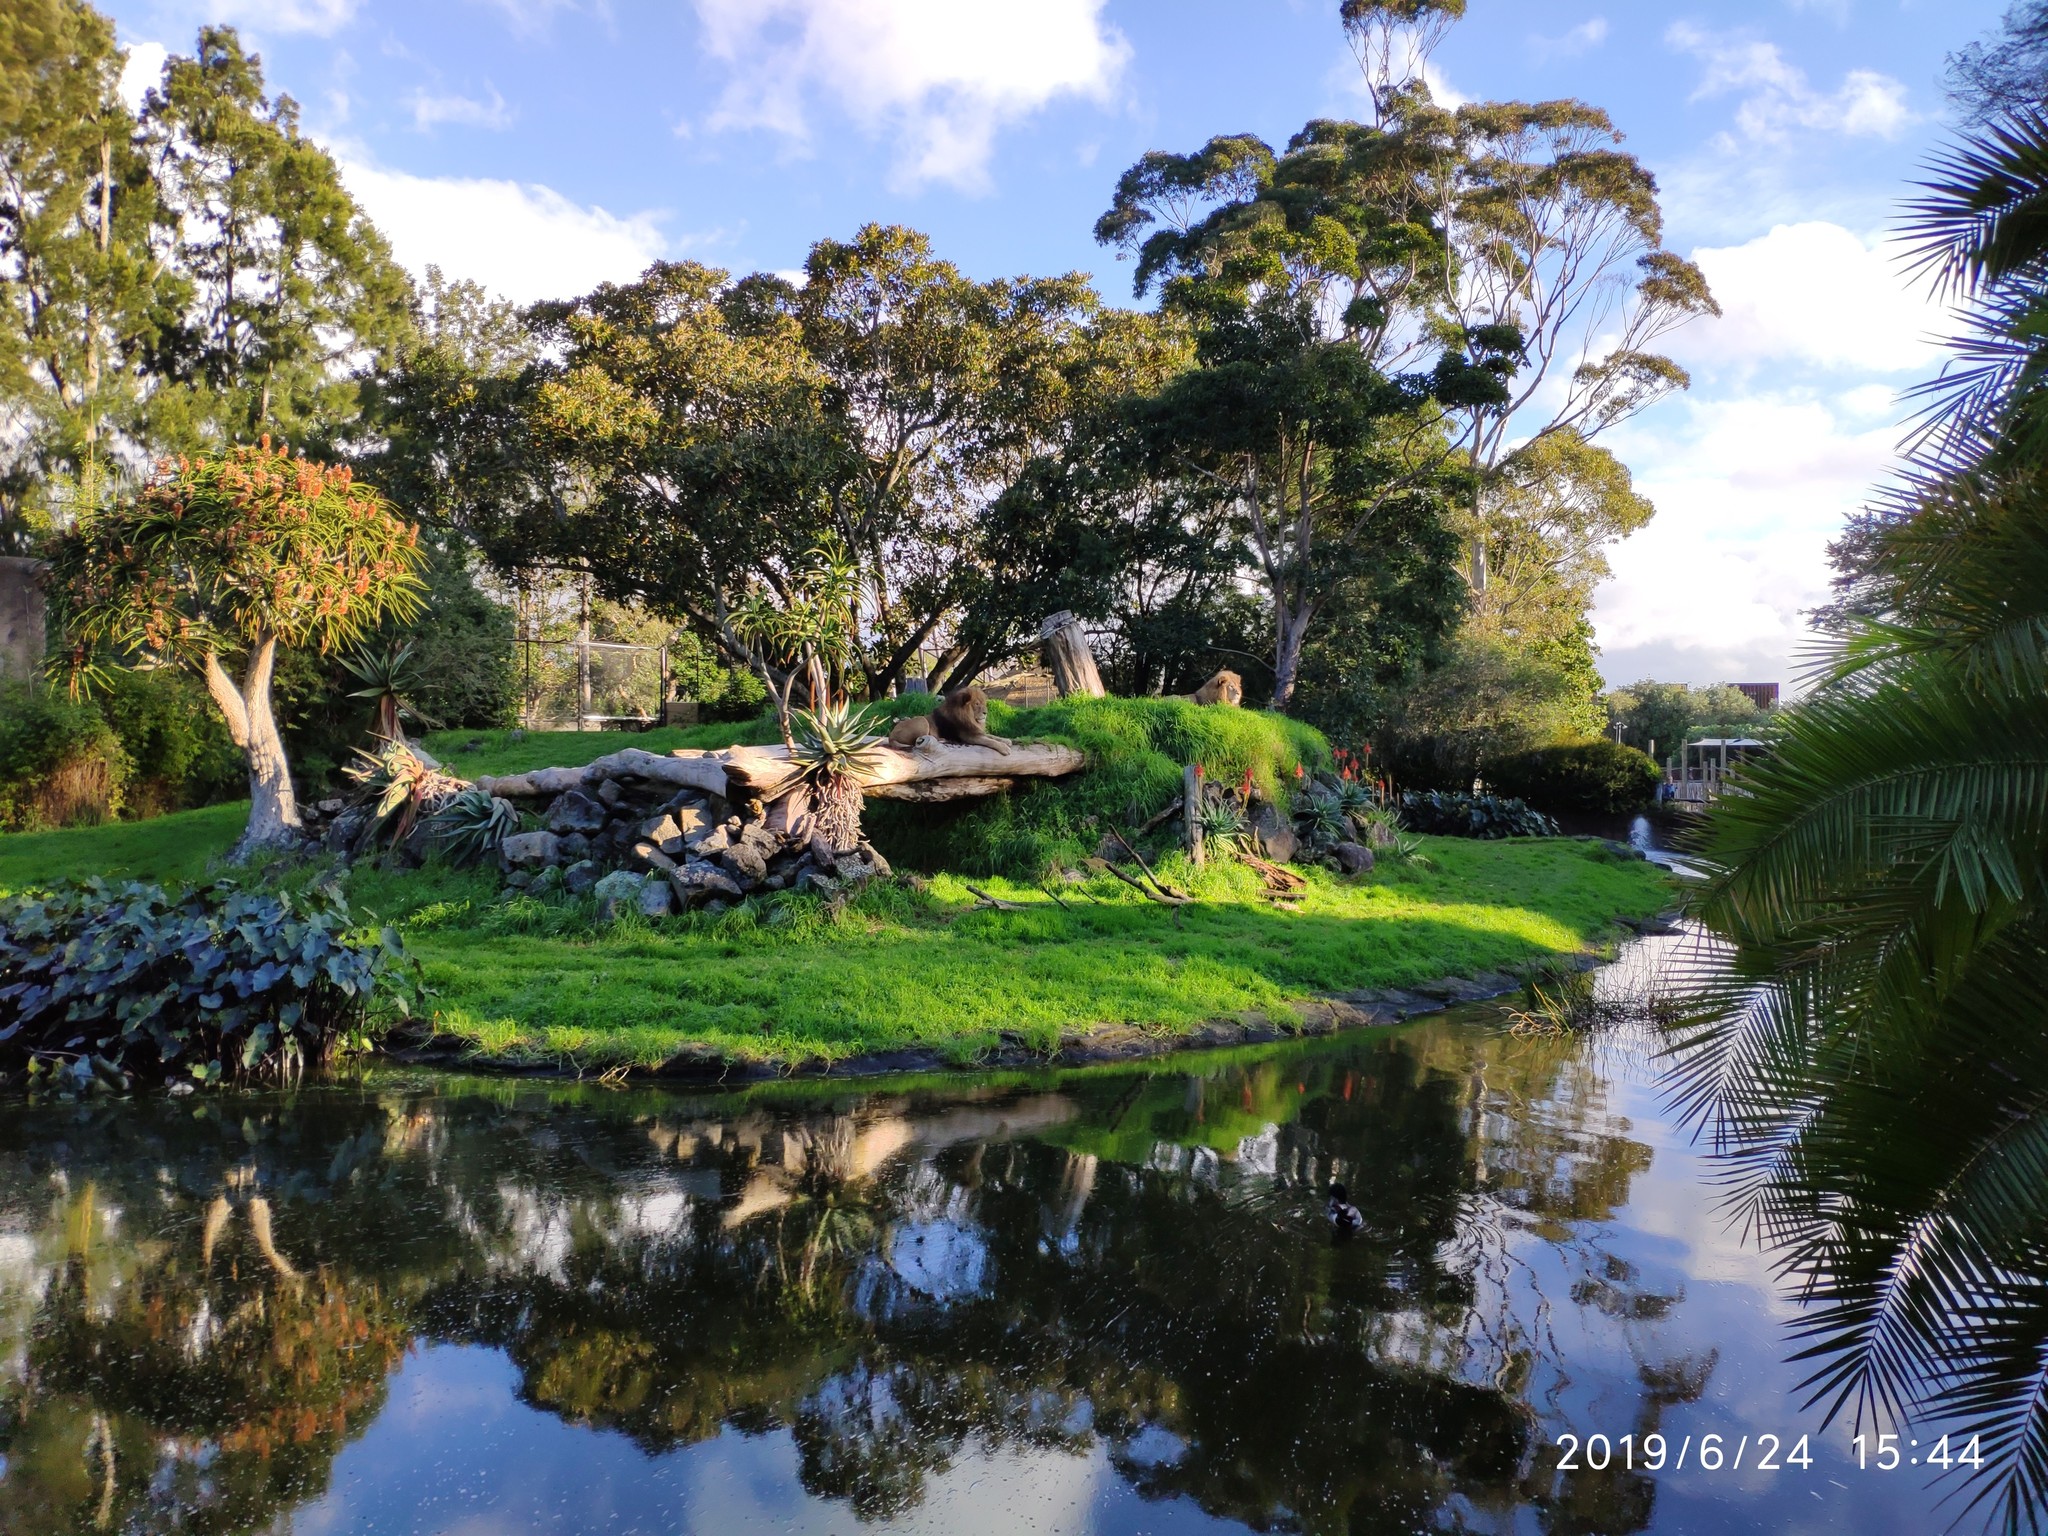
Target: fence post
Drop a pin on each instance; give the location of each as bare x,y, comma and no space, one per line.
1191,811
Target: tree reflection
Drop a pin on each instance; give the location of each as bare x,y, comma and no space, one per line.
1131,1261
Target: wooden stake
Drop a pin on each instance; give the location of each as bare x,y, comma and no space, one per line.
1191,812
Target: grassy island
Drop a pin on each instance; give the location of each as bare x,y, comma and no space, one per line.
924,963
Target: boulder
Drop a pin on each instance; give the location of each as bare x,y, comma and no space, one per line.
1275,834
617,891
656,900
662,831
699,879
531,848
692,823
746,862
1353,858
573,847
609,792
580,876
712,841
1378,835
574,811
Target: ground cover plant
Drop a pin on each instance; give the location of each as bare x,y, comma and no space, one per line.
539,981
98,981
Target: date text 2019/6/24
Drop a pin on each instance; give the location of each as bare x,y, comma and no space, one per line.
1761,1453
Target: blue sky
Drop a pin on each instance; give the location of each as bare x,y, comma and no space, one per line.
541,146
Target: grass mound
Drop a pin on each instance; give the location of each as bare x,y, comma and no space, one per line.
1136,750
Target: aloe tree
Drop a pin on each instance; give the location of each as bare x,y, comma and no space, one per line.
1868,1039
220,561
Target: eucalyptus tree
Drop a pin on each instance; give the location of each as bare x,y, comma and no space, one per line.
79,285
290,291
1555,240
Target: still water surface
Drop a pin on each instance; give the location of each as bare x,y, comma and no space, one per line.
1099,1302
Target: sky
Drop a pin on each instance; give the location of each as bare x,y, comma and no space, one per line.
543,146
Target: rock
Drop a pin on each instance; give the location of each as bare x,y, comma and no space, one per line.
756,836
545,883
746,863
331,807
716,840
518,880
1353,858
656,899
618,890
810,878
1378,835
531,848
874,856
573,848
1275,834
580,876
609,792
698,878
789,819
574,811
662,831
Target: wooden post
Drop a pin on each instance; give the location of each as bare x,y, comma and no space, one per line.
1065,645
1191,811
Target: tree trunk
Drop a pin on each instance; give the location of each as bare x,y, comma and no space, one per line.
1065,644
1291,631
273,808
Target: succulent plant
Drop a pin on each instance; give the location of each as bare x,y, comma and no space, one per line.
473,826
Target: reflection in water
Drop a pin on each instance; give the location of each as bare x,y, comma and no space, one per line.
1102,1301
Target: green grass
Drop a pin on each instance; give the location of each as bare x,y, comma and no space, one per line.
172,848
470,753
524,982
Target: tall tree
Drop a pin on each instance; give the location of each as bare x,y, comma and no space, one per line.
79,286
2006,73
1556,245
1300,275
226,559
292,288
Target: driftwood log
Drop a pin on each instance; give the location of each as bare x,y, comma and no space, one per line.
934,772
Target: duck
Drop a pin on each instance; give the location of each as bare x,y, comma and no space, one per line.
1344,1216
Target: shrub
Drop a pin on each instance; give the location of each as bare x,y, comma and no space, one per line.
1601,778
1447,813
60,763
222,977
175,740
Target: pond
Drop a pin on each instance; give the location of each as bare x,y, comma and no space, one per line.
1106,1301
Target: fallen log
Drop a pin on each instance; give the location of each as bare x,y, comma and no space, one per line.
939,771
684,770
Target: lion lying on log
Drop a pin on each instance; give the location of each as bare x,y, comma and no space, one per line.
962,720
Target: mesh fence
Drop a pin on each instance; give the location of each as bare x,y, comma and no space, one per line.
587,685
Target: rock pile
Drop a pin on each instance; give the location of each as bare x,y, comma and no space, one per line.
636,844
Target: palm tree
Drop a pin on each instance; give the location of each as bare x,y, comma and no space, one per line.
1867,1041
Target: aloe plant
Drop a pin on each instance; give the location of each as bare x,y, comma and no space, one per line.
836,755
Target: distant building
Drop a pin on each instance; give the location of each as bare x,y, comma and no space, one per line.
1762,695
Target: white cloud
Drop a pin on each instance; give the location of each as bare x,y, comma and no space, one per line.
1585,36
323,18
430,111
143,69
1776,95
1749,493
940,77
1814,294
519,239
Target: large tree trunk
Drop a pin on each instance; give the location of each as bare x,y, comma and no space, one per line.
1290,631
1065,644
273,808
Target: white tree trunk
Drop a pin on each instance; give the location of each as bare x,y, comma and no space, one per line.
273,808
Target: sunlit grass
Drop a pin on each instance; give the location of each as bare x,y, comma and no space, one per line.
165,849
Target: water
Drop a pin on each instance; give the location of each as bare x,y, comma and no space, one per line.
1100,1302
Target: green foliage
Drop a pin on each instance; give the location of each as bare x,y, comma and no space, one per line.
722,692
1137,749
1488,700
472,826
1865,1036
1442,813
1671,714
173,737
221,977
61,765
1596,777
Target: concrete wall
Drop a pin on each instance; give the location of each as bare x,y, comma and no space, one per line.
21,617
